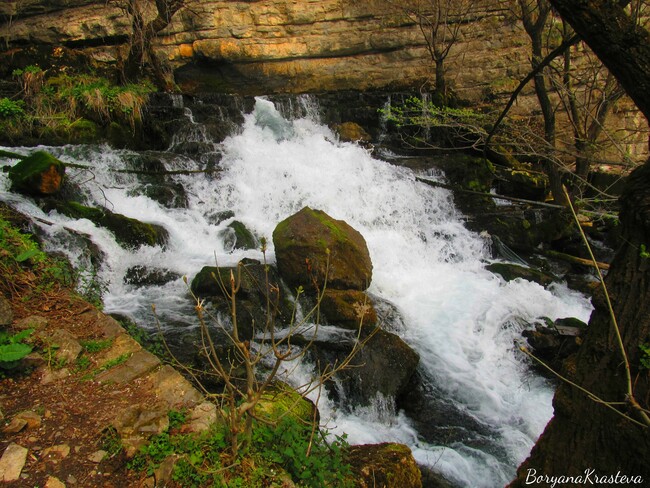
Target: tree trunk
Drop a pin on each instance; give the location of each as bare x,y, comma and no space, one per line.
583,434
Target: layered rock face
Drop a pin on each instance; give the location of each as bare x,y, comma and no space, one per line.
283,45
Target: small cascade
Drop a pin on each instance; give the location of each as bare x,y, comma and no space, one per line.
428,273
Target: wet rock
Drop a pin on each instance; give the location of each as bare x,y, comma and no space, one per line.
280,400
168,194
351,132
382,366
554,342
387,465
257,285
237,236
522,183
348,308
302,242
129,232
144,276
12,462
37,174
510,272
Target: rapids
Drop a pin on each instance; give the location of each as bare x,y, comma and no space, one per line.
460,318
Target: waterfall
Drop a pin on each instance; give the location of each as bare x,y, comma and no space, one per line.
460,318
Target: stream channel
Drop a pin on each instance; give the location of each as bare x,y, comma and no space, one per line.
485,406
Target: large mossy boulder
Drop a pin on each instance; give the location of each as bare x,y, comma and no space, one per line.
388,465
38,174
305,243
130,233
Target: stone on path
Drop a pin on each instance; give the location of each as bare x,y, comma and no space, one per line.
12,462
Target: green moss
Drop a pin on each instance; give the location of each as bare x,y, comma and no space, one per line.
39,173
83,131
244,238
279,400
129,232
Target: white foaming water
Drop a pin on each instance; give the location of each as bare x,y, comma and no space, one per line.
461,319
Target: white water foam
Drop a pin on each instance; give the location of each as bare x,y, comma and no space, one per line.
461,319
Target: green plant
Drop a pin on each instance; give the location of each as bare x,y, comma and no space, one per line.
644,360
310,461
113,362
643,253
111,442
176,418
10,109
82,363
96,345
13,348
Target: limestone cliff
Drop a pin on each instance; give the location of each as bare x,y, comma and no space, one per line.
282,45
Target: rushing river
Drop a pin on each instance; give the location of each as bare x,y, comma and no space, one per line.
462,319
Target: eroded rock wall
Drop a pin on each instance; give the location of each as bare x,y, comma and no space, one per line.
285,45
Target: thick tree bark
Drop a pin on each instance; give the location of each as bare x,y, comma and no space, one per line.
583,434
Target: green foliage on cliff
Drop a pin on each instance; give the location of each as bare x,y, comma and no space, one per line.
70,105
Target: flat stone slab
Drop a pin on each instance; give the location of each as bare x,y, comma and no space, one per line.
12,462
138,365
122,344
172,388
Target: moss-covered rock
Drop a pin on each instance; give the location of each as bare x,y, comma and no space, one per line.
309,239
37,174
130,233
522,183
346,308
240,237
351,132
280,400
388,465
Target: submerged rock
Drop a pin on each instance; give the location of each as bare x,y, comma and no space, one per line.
143,275
302,243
